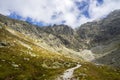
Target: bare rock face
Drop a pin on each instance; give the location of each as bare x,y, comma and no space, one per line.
101,31
104,38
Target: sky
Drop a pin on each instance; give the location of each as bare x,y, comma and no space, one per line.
48,12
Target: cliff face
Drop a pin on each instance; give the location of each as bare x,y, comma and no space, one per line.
102,31
103,38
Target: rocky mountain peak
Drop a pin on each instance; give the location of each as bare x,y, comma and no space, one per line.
59,29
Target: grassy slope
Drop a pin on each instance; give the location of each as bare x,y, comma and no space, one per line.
18,62
90,71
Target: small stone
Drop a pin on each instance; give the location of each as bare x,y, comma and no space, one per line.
3,60
15,65
27,59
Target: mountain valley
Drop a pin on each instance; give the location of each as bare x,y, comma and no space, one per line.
30,52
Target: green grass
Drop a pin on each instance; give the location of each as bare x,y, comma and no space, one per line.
90,71
16,62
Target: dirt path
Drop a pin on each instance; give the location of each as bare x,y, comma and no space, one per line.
68,74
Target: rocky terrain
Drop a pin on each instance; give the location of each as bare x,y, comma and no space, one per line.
58,47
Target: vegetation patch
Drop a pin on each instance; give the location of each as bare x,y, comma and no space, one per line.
89,71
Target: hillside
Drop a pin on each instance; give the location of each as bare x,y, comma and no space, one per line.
21,58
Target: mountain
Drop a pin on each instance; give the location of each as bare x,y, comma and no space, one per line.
103,38
101,31
43,53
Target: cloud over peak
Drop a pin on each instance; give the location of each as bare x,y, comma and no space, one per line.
69,12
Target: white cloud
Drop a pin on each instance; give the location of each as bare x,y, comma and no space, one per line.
97,12
66,10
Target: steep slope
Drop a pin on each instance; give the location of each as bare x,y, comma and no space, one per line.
102,31
21,58
58,39
66,34
103,38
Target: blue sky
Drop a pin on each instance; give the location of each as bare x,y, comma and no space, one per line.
49,12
